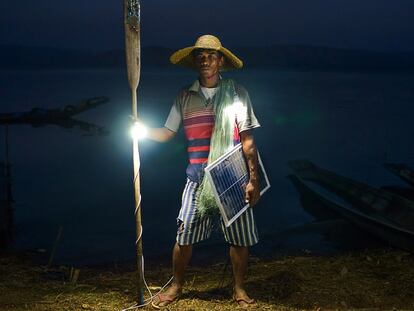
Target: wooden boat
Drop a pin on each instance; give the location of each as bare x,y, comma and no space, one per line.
311,202
406,192
335,229
402,171
58,116
378,212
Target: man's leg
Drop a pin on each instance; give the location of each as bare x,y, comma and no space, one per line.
239,257
191,229
181,258
241,234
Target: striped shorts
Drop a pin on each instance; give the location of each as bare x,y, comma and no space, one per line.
193,229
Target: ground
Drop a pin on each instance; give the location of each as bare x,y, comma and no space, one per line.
381,279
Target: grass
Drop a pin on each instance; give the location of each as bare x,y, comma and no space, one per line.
368,280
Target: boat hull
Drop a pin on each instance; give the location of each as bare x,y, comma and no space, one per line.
371,219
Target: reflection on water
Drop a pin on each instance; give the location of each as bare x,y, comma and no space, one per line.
349,123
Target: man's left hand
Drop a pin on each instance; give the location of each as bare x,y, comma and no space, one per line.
252,193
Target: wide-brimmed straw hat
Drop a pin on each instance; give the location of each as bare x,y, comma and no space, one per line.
184,57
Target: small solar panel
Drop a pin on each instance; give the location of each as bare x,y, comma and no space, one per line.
229,177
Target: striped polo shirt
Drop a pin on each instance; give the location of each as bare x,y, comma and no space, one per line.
196,112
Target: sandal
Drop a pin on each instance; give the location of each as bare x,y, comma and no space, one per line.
245,303
163,300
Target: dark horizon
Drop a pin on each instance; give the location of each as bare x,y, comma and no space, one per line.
274,57
235,48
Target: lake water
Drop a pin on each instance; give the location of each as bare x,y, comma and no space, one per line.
350,123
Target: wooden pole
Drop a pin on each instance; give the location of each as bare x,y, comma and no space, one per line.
133,61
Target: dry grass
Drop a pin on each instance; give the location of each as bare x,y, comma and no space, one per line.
370,280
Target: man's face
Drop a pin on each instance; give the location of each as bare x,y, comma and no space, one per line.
208,63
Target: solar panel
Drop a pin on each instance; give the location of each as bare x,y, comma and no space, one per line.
229,176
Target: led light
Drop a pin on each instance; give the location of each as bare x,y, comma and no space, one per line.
236,110
139,131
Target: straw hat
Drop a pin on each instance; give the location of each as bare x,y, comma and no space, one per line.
184,57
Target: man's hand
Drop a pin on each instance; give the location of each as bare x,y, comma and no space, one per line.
252,192
161,134
250,152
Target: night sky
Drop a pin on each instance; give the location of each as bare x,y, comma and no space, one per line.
385,25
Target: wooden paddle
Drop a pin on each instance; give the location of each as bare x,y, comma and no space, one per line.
133,61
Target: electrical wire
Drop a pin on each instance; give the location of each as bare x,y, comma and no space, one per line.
148,300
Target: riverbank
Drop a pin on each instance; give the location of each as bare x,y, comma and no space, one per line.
369,280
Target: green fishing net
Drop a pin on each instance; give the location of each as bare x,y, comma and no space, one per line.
221,142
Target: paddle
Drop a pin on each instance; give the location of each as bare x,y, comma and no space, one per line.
133,61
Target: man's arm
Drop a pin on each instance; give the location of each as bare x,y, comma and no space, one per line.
250,152
161,134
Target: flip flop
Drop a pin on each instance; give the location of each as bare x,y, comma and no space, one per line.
163,300
245,303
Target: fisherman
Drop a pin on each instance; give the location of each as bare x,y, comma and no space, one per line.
204,108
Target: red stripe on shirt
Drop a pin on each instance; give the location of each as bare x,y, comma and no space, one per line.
198,148
198,161
199,132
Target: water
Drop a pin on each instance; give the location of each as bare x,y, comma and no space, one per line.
346,122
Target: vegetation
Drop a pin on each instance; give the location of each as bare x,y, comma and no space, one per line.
368,280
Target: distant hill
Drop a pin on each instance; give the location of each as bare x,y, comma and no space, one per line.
282,57
324,58
19,57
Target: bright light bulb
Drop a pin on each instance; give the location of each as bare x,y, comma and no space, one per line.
236,110
238,105
139,131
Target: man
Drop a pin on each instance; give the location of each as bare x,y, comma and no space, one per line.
198,107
